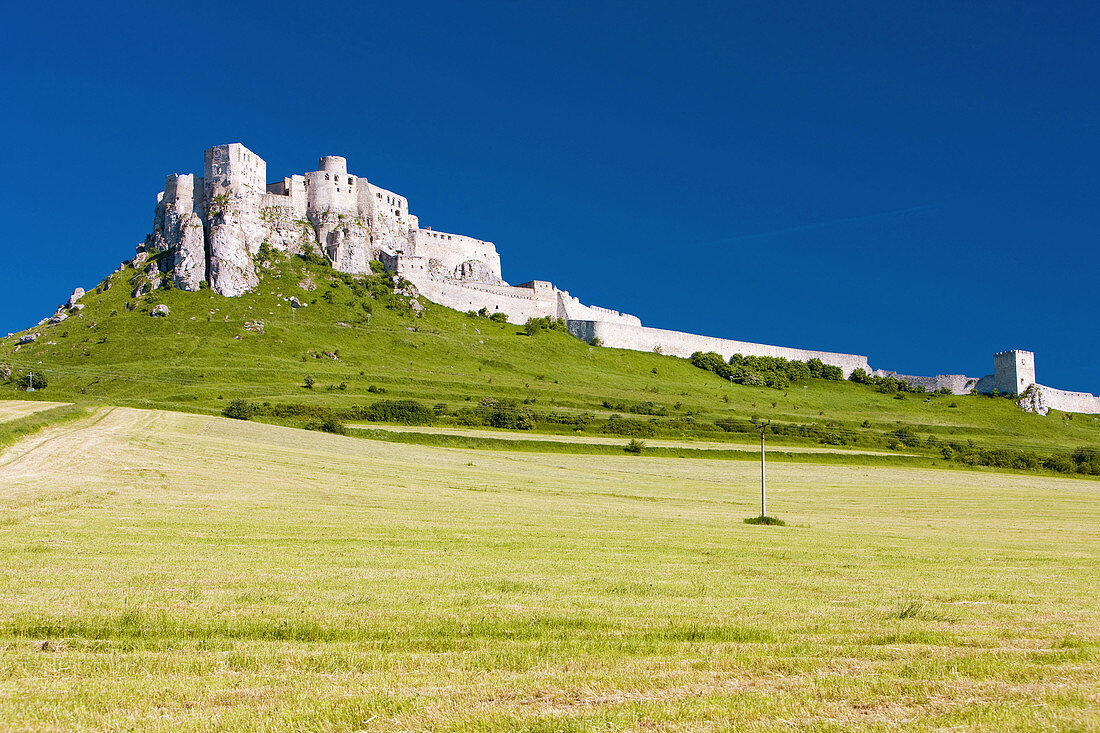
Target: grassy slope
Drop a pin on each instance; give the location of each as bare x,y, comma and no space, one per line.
193,573
201,355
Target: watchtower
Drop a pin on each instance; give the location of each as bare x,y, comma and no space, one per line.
1013,371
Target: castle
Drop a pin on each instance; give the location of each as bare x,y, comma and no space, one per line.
210,230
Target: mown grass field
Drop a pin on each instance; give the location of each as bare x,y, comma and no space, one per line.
167,571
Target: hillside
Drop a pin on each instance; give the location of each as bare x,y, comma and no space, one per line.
359,343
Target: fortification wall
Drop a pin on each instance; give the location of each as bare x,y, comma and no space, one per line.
956,383
519,304
571,309
447,253
388,215
1060,399
676,343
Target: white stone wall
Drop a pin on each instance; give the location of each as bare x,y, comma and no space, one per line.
676,343
959,384
455,256
1060,399
518,303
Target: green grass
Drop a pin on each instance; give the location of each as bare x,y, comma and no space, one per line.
202,356
15,429
179,572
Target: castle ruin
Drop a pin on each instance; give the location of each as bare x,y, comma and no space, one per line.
211,229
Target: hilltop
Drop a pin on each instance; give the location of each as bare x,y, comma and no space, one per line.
356,341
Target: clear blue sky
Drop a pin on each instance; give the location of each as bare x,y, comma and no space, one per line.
912,181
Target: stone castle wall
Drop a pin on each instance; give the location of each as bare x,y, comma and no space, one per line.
676,343
959,384
1065,401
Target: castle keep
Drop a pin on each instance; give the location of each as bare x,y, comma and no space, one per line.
210,230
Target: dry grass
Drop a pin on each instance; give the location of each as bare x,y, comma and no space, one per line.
193,573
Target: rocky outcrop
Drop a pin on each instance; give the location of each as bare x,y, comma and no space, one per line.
189,268
78,293
1032,400
160,311
235,237
476,271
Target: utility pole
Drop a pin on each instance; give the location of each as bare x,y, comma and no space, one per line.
763,481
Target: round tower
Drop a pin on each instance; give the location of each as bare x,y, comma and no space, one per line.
334,164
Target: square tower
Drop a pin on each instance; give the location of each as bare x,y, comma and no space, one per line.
1013,371
233,168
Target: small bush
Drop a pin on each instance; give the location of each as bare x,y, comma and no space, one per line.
239,409
767,521
635,447
328,424
308,382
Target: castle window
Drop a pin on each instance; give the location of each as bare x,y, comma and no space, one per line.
350,181
326,177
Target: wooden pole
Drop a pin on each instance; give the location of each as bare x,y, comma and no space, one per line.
763,480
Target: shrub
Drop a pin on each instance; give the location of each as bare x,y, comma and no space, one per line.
546,323
860,376
628,426
239,409
635,447
499,318
308,382
402,412
328,424
33,379
506,414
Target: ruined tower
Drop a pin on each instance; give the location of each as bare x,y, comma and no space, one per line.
1013,371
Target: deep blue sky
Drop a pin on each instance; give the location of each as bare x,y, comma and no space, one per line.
912,181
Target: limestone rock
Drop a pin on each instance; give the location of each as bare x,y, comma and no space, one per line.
58,318
235,236
77,307
189,267
1032,401
476,271
294,302
5,372
77,295
144,287
28,338
160,311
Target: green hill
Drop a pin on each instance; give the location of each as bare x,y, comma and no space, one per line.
357,343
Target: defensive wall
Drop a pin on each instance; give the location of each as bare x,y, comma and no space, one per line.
1060,399
959,384
676,343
